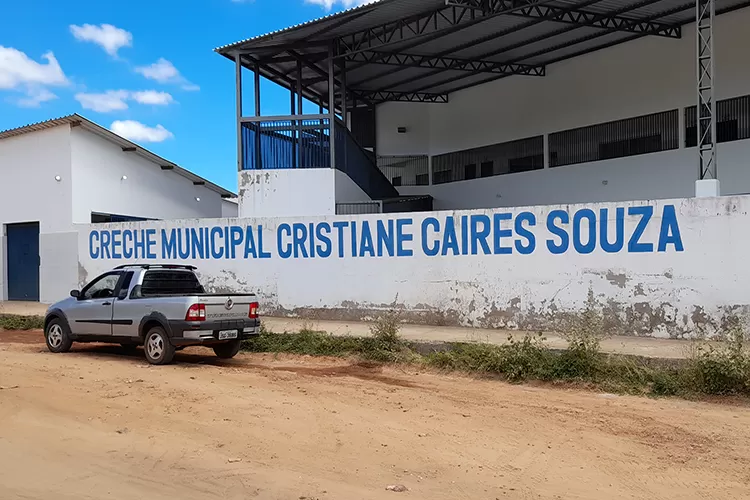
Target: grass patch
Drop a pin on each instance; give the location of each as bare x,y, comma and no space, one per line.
15,322
711,370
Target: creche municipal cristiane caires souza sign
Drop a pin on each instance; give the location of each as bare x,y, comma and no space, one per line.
498,233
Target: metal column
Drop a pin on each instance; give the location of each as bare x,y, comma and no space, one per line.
299,111
706,110
238,98
256,81
331,106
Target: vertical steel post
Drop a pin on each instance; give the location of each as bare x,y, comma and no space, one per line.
256,79
706,109
343,94
238,98
299,111
331,106
293,130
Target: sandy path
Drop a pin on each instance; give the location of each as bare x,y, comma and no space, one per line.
95,424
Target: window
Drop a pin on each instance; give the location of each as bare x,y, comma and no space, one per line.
616,139
496,159
629,147
102,287
102,218
411,170
732,121
170,282
125,285
442,176
526,163
487,169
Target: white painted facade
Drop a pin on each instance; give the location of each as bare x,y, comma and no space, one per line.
58,176
111,181
656,284
648,75
294,192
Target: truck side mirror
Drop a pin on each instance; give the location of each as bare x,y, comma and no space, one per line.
75,293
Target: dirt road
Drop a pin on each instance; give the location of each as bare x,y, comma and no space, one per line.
96,424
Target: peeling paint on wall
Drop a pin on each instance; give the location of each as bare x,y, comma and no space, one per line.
660,293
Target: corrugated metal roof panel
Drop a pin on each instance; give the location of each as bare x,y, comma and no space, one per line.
520,36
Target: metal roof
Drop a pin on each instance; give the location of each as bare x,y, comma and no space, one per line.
78,120
425,49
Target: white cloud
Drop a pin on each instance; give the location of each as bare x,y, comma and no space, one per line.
164,71
17,69
152,97
347,4
116,100
137,131
35,96
112,100
108,37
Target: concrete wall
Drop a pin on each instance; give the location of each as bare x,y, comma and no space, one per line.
287,192
29,192
98,185
229,208
661,268
644,76
347,191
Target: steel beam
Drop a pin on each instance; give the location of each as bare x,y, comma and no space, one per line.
578,17
545,50
478,41
440,22
430,62
383,96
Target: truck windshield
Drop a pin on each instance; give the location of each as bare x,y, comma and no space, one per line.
169,282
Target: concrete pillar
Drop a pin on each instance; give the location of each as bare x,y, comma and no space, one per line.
707,188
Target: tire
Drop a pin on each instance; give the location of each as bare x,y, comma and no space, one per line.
228,350
159,350
57,336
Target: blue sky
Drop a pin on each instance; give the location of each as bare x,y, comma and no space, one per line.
144,68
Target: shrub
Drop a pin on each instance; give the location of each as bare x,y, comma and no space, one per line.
581,359
724,369
385,343
15,322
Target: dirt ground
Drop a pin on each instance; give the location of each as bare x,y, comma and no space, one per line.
96,423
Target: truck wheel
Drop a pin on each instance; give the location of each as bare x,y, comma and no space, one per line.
159,350
57,336
228,349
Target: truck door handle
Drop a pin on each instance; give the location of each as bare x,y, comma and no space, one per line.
106,303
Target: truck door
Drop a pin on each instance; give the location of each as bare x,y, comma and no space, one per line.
92,312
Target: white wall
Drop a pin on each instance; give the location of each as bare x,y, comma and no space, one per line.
644,76
229,208
287,192
30,193
347,191
686,288
149,191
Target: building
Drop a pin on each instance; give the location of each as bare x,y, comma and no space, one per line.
68,171
496,104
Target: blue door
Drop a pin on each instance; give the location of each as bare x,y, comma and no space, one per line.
23,261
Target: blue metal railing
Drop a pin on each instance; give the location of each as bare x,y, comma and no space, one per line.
360,166
286,143
304,141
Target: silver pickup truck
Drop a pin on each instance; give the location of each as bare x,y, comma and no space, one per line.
160,306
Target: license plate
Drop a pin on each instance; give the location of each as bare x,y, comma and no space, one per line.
227,334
